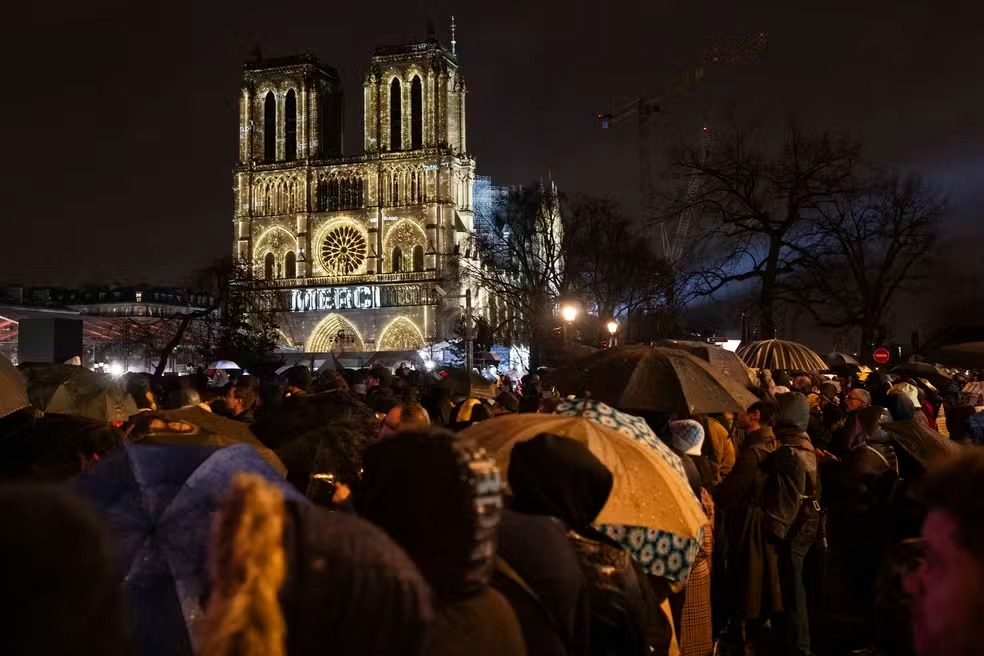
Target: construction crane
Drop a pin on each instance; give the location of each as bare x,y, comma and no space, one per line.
642,113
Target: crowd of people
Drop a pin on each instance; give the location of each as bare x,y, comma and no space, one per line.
839,520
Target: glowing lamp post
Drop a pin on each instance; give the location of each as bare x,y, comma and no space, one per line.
612,330
568,312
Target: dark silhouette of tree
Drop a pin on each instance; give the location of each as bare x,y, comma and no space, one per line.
869,245
756,207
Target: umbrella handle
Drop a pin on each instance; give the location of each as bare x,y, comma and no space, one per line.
584,404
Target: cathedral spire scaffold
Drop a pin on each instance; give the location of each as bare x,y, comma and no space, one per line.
454,43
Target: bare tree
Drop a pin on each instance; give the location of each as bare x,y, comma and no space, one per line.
758,207
609,263
519,257
870,245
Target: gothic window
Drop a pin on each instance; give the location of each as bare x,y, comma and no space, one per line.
395,193
322,199
396,116
323,125
333,194
270,127
397,259
416,113
268,263
290,126
267,199
413,187
290,265
418,258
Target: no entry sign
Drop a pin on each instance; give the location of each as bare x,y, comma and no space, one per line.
881,355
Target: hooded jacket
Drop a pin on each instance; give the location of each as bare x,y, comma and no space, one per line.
440,499
792,469
557,476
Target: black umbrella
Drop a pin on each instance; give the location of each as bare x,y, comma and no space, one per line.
467,384
302,414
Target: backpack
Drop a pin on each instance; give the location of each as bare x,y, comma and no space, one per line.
790,498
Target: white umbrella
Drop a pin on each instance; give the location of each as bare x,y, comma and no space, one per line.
224,364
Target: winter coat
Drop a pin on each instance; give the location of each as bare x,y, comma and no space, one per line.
724,448
696,630
482,625
793,470
750,561
553,612
556,476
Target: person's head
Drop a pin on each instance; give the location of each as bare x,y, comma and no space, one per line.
687,436
900,407
59,577
241,399
288,578
560,477
184,396
857,399
298,380
138,386
506,403
907,390
947,589
440,499
759,414
794,412
803,384
829,391
405,417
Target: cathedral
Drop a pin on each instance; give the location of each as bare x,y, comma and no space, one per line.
362,249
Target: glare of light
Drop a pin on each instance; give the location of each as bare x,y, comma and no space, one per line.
568,312
731,345
612,327
116,369
429,365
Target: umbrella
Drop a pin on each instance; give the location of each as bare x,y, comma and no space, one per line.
648,496
642,543
13,388
920,442
923,370
780,355
157,503
73,390
51,447
467,384
194,426
723,360
841,359
644,378
302,414
224,364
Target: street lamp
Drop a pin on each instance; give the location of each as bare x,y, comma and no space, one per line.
568,312
612,326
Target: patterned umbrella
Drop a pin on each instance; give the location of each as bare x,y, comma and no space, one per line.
660,553
644,378
651,506
780,355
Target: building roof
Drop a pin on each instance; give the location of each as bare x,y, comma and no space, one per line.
290,62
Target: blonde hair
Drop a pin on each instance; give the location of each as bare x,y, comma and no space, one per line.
247,569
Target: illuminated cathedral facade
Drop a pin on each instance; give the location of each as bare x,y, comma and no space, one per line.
361,248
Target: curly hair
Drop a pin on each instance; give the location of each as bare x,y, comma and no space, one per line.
247,569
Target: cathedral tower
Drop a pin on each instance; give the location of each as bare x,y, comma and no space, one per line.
362,246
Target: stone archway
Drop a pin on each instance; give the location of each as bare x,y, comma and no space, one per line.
401,335
324,337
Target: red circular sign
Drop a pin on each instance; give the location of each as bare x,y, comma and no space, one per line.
881,355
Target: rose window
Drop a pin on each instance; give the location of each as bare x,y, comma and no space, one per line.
343,251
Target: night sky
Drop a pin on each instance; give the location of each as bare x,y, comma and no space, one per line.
119,126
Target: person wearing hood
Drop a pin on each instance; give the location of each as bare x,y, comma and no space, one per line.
291,579
751,577
916,444
440,499
794,516
696,629
559,477
911,392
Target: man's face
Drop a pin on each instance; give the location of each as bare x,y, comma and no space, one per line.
802,383
747,420
854,402
947,592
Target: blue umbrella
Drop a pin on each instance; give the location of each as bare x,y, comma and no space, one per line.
659,552
158,502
